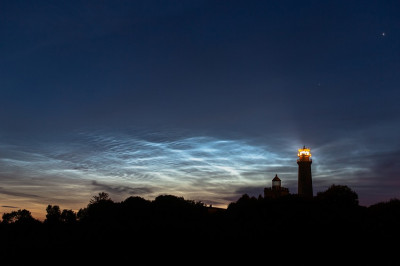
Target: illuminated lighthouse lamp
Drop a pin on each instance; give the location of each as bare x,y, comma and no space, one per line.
304,154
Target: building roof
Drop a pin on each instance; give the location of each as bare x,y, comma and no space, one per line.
276,178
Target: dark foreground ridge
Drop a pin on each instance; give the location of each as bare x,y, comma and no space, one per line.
328,229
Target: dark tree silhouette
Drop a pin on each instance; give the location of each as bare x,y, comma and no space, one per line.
173,206
19,217
103,196
244,207
81,214
53,215
135,209
68,216
246,229
338,196
100,208
136,202
385,217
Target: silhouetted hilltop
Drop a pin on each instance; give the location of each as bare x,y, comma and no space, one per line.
290,229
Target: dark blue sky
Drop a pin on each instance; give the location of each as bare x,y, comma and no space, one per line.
202,99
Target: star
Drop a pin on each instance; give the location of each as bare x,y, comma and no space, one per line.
383,34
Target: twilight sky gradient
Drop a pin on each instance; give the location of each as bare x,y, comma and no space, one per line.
202,99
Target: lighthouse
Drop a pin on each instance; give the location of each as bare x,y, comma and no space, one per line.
304,176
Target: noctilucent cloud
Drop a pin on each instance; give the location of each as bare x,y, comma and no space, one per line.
207,100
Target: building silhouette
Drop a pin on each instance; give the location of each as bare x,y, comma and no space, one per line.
304,183
276,190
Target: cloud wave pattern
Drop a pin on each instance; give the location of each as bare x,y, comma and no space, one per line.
215,171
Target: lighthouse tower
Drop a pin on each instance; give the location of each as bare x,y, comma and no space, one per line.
304,179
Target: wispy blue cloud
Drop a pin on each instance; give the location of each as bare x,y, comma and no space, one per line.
213,170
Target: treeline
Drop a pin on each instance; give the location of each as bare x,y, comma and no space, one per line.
287,230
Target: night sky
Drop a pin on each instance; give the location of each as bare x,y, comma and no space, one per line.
207,100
